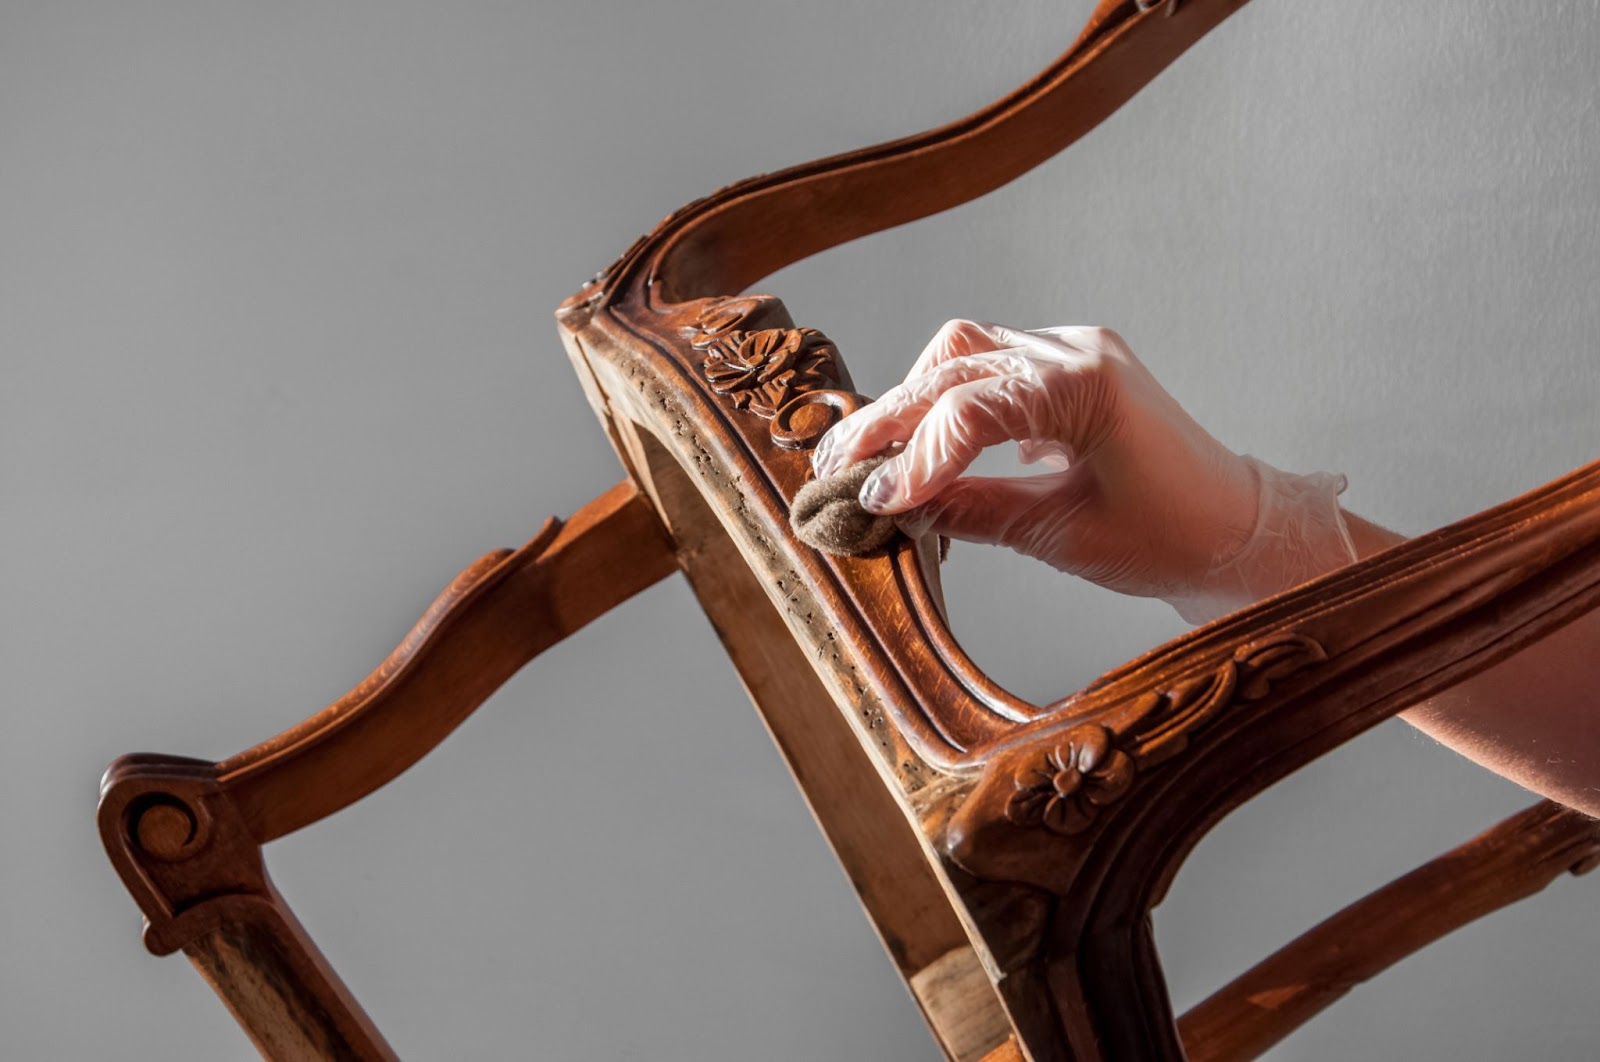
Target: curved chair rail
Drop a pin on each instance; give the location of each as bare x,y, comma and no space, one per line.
1013,858
726,383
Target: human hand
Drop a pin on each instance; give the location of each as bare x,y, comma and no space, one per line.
1141,498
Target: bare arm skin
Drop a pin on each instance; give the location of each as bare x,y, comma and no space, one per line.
1530,718
1141,499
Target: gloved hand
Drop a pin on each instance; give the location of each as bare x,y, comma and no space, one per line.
1141,500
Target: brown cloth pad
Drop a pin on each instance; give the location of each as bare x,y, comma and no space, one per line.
826,514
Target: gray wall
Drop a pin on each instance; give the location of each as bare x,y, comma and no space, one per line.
275,284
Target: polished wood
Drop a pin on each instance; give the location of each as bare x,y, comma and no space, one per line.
496,616
1008,853
186,834
728,241
1157,751
1509,862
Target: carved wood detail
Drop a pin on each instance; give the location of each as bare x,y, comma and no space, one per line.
1065,799
1165,721
790,376
762,370
1049,831
1062,786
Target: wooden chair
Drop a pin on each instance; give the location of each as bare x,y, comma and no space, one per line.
1009,854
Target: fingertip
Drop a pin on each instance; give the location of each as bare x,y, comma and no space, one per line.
822,458
883,492
967,509
836,450
956,338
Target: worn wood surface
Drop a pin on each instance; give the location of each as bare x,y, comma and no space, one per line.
1093,800
275,982
955,993
878,847
1006,1052
1008,853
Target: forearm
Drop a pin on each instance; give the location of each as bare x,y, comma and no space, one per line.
1147,502
1529,717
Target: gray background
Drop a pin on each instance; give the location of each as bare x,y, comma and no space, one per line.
275,293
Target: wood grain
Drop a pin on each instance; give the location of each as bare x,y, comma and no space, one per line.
495,617
275,982
955,993
185,834
877,845
1008,853
1507,863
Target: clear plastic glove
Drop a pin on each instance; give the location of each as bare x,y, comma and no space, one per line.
1141,499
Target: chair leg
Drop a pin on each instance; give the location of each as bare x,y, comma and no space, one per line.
186,855
1509,862
279,988
185,835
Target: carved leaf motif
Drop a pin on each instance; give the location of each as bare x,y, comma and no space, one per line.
725,315
1191,704
792,377
719,318
1064,788
764,369
1187,707
1275,657
1198,697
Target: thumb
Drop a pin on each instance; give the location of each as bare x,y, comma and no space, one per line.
1001,511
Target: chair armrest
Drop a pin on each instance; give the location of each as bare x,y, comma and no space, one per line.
185,835
1096,799
1208,720
1100,802
494,617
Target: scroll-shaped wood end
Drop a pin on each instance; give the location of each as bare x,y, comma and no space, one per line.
186,855
182,832
177,842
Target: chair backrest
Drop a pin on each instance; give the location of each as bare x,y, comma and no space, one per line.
717,394
1020,922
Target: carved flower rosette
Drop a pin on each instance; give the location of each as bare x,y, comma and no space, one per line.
1064,782
1064,789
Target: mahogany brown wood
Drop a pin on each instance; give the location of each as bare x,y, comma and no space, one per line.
1009,854
186,835
1512,860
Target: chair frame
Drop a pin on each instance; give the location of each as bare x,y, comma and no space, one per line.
1008,854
